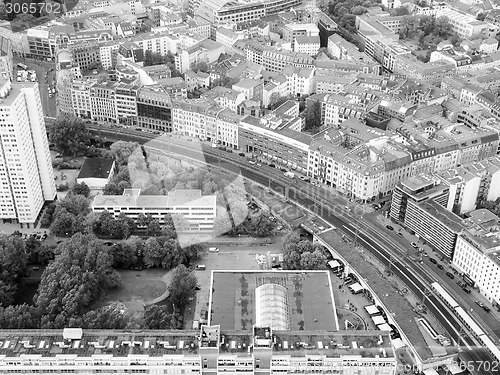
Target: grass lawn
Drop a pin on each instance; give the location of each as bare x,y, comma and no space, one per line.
138,287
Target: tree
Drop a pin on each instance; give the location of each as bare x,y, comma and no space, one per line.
70,135
158,317
13,258
313,115
81,189
122,150
153,253
107,317
74,204
19,317
7,293
125,254
276,99
313,261
182,287
80,273
153,228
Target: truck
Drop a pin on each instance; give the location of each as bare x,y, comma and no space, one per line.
290,174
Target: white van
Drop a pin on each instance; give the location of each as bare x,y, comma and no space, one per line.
213,249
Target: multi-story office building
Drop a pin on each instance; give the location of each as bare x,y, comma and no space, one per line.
271,137
154,108
86,54
418,203
126,103
466,25
80,97
26,175
477,254
293,30
103,102
221,11
199,210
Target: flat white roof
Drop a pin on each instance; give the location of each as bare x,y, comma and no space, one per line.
356,287
372,309
384,327
378,320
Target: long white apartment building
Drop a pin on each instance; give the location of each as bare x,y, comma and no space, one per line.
199,210
477,253
466,26
206,351
26,175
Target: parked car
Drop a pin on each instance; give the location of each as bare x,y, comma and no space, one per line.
450,275
213,249
413,244
466,290
440,266
272,165
242,154
432,260
480,304
399,234
200,267
389,227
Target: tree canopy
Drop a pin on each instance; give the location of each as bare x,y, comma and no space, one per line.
80,273
301,254
70,135
182,287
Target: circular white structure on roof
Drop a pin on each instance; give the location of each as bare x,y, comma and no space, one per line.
271,307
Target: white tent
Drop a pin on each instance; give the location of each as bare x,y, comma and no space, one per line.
356,287
372,310
454,368
384,327
378,320
333,264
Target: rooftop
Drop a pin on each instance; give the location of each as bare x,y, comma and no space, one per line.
96,168
174,198
310,299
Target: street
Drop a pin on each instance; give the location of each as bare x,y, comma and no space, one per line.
41,67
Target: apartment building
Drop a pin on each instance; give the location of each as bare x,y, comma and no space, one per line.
276,60
207,50
432,72
472,183
208,350
251,88
6,55
154,108
126,103
477,254
341,49
225,98
199,210
339,108
162,43
276,86
293,30
26,175
306,44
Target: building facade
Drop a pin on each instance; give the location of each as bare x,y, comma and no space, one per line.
26,175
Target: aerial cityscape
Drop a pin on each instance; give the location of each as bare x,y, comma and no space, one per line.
266,187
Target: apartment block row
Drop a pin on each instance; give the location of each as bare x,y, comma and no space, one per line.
205,351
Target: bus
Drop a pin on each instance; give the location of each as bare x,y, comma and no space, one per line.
22,66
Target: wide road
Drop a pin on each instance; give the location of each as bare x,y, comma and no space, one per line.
333,208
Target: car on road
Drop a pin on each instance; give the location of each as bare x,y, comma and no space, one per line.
213,249
399,234
425,254
242,154
450,275
252,162
314,183
432,260
480,304
200,267
413,244
389,227
466,290
272,165
440,266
